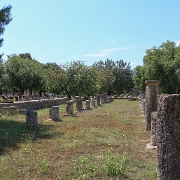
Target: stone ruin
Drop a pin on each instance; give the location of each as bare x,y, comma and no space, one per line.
31,118
79,106
153,128
168,137
93,102
69,107
9,110
98,99
87,105
162,115
54,113
151,101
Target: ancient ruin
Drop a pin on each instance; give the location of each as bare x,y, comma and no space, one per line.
31,118
151,101
168,137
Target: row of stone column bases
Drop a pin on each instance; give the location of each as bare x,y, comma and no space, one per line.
162,118
31,114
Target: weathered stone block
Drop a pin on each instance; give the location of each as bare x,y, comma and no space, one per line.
151,101
87,103
31,118
54,113
69,107
79,105
168,137
153,128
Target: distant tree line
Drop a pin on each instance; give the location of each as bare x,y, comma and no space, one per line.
22,72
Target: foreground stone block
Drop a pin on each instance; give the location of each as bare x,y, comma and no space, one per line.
79,105
69,107
168,137
93,103
31,118
98,99
87,103
102,99
54,113
105,98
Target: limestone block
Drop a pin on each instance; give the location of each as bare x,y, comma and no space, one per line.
31,118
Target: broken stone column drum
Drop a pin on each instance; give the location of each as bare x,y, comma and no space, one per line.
168,137
54,113
69,107
31,118
98,99
79,105
87,104
108,99
153,128
102,98
151,101
93,102
105,98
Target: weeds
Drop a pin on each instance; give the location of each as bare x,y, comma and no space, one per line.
115,166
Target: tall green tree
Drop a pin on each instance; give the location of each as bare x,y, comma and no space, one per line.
105,78
53,78
123,77
78,79
23,73
5,19
114,77
139,77
162,64
1,76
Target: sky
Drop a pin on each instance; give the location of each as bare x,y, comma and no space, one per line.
63,31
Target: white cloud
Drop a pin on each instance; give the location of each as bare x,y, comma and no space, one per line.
105,52
132,63
97,55
112,42
177,43
111,50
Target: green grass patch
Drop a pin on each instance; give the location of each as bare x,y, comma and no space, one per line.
107,142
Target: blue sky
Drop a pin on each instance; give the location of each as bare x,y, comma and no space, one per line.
90,30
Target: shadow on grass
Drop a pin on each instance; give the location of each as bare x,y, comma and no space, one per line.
13,132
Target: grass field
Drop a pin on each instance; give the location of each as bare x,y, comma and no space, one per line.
107,142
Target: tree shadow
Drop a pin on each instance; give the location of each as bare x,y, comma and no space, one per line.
13,132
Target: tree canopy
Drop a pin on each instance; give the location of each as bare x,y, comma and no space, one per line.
5,19
23,73
163,64
114,77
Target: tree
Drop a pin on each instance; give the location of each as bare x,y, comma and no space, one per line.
53,77
105,78
139,78
1,76
114,77
123,77
78,79
162,64
23,73
5,19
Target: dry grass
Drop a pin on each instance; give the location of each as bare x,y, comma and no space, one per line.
107,142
